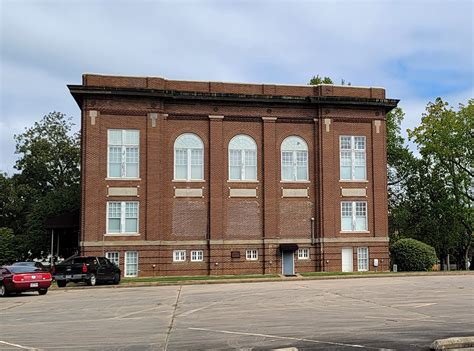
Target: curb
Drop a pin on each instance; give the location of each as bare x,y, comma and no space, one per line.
261,280
453,343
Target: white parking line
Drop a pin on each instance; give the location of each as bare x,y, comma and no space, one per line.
287,338
19,346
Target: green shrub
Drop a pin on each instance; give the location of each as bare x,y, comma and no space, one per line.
413,255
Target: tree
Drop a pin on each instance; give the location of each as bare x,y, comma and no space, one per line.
49,154
8,247
319,80
48,182
445,139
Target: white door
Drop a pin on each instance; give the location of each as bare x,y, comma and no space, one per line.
347,260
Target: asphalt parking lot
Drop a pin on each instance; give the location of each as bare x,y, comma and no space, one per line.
401,313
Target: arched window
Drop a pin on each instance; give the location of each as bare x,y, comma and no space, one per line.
188,157
294,159
242,158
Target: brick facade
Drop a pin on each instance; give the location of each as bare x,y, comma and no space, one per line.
206,215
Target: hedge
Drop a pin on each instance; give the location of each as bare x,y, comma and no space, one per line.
413,255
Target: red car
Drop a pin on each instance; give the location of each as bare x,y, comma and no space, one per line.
18,278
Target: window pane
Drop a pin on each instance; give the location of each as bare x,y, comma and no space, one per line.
346,172
346,223
181,157
346,216
181,164
345,142
302,173
131,157
250,158
235,173
361,223
131,263
197,172
114,225
235,158
287,158
294,143
181,172
359,173
251,172
114,209
131,137
287,173
115,161
131,225
115,137
197,164
196,157
131,210
359,143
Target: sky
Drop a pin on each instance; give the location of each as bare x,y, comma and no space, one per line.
418,50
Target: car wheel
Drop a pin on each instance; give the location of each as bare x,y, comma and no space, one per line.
43,291
116,278
92,280
3,291
61,283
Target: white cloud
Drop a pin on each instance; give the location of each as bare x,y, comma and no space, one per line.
415,49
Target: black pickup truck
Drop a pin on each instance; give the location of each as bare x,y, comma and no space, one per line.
89,269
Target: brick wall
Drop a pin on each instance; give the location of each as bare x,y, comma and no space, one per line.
262,222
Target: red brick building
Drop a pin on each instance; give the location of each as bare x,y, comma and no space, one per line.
196,178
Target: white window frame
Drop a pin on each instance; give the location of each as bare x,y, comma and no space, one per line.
126,272
303,254
243,157
362,262
109,255
197,256
251,255
354,216
353,150
188,159
294,157
179,255
123,218
123,146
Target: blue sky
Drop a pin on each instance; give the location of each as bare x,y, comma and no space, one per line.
417,50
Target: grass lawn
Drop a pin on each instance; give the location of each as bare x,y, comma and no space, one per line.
205,277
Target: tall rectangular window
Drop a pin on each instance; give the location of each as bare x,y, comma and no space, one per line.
354,216
352,158
113,257
122,217
131,263
362,259
123,153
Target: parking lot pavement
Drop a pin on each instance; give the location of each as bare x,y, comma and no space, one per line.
402,313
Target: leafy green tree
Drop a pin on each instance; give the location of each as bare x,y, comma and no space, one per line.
49,153
8,246
320,80
48,182
445,139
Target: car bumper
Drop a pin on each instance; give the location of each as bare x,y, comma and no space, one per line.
71,277
30,286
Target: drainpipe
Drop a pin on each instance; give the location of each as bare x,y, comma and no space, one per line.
312,231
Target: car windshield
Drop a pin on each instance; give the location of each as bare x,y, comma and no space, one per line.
24,269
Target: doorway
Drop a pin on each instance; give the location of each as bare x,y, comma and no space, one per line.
347,260
288,262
